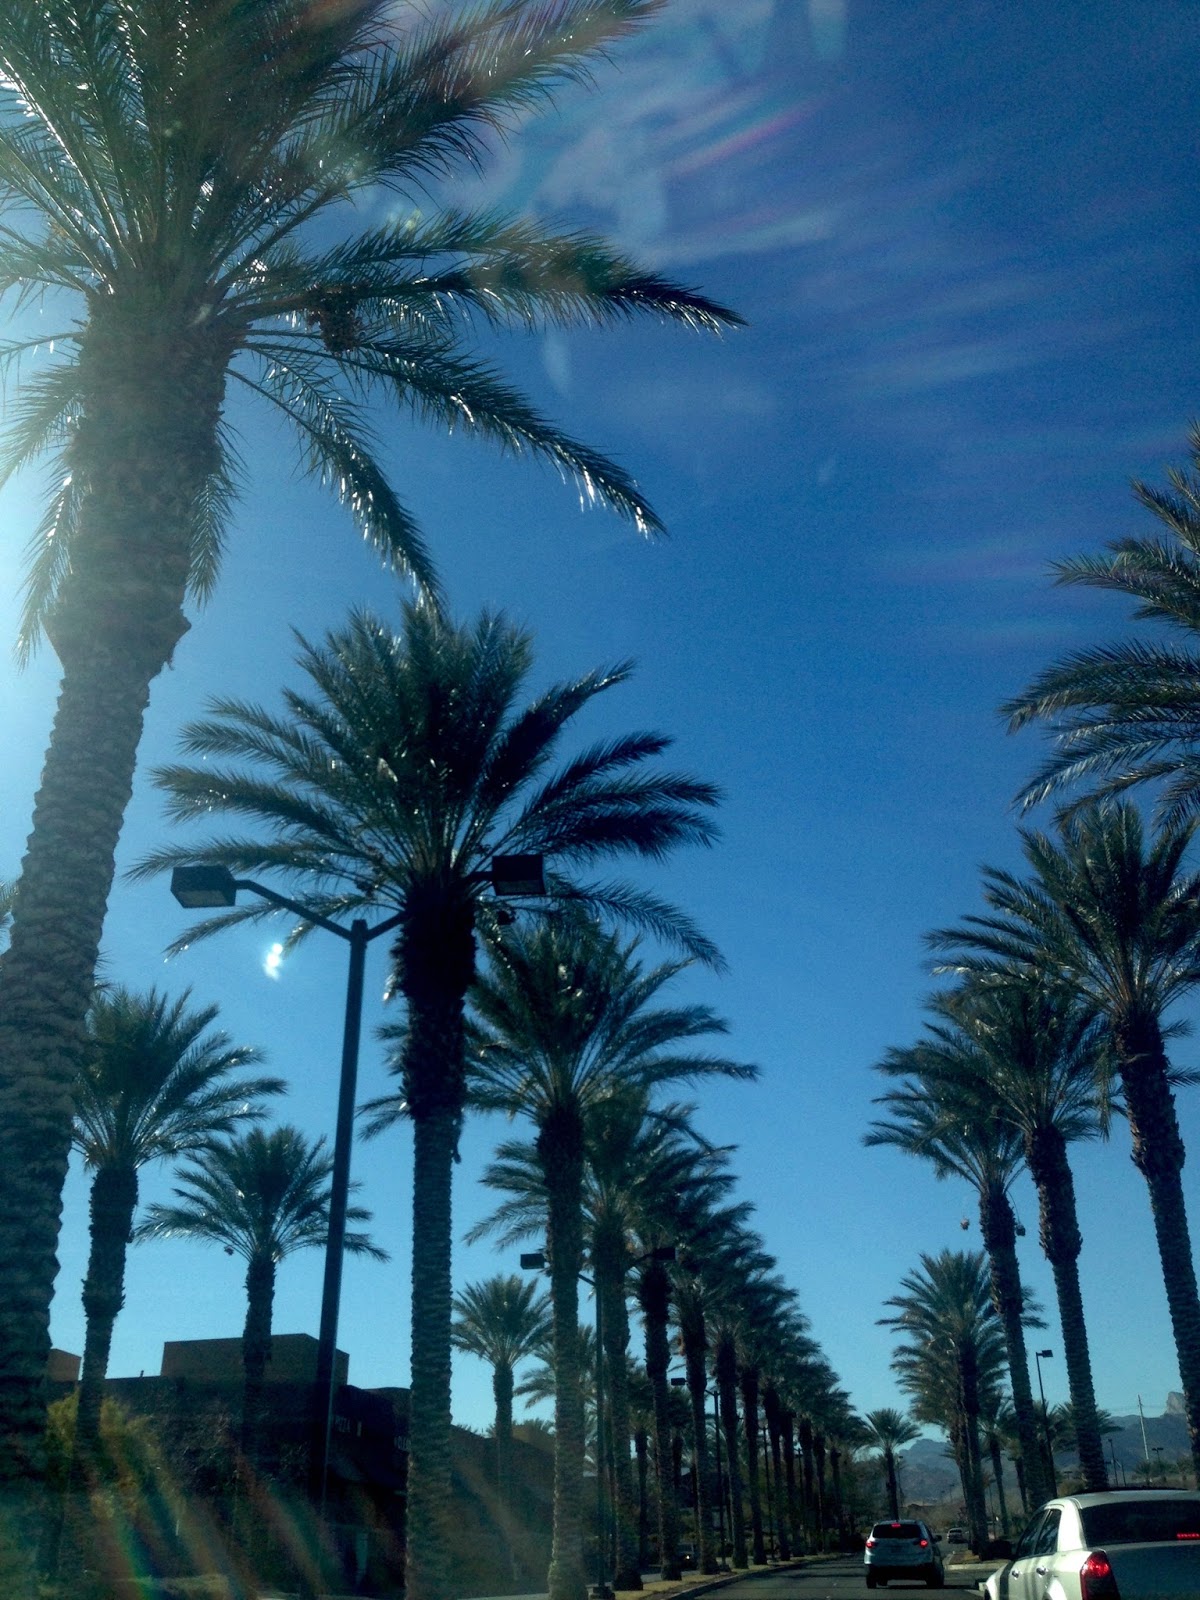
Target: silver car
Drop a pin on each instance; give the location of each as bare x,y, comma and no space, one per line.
903,1550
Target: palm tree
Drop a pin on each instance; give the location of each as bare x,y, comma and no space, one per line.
1128,714
261,1195
180,186
937,1115
567,1019
953,1357
502,1320
889,1430
393,784
1117,921
701,1275
1029,1052
157,1083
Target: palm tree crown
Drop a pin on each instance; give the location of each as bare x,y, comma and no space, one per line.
182,186
1115,919
157,1082
173,171
392,783
261,1195
1129,714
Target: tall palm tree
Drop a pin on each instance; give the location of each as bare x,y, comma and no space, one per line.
939,1117
158,1082
568,1018
1116,918
1128,714
502,1320
392,783
889,1430
650,1179
953,1355
671,1188
1028,1053
261,1195
701,1275
180,187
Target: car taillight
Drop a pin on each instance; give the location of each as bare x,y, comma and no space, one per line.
923,1543
871,1542
1097,1581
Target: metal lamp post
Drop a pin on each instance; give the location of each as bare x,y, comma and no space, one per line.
1039,1356
210,887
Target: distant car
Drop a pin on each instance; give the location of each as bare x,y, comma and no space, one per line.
903,1550
1128,1544
956,1536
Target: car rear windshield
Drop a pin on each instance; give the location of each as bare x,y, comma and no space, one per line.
897,1530
1141,1521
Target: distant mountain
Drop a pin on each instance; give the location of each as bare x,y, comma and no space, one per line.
928,1473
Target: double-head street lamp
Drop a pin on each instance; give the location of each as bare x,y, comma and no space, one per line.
208,888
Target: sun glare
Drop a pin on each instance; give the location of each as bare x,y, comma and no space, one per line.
273,961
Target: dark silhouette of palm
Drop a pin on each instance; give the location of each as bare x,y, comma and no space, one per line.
1115,918
391,783
183,186
261,1195
503,1320
567,1019
942,1117
1127,714
890,1429
1029,1055
953,1355
158,1082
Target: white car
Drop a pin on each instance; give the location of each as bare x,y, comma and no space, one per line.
1128,1544
902,1550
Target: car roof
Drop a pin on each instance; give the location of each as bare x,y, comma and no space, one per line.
1097,1497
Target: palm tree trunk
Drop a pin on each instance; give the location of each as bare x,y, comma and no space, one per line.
808,1484
835,1473
1046,1152
560,1146
997,1455
145,446
818,1449
1158,1154
627,1570
429,1510
773,1412
641,1452
697,1384
112,1204
725,1364
998,1230
893,1485
256,1350
502,1394
789,1462
435,957
654,1296
968,1376
749,1383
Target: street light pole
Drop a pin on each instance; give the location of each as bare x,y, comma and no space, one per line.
1039,1356
211,887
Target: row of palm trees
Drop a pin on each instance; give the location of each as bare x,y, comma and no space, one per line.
180,192
391,784
1060,1013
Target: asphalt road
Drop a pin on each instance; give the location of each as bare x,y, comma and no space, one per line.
838,1579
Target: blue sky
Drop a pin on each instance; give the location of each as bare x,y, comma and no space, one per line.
963,234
